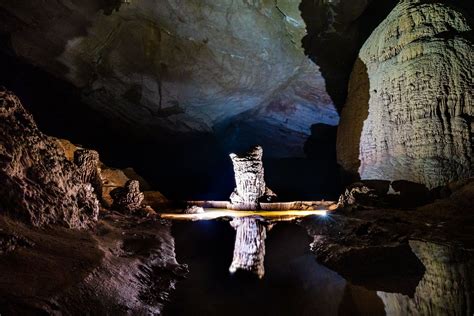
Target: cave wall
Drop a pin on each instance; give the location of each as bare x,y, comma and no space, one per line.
410,97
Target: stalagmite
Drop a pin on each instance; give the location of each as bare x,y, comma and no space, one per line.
249,250
249,179
129,198
88,164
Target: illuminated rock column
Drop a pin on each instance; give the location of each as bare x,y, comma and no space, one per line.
249,250
249,180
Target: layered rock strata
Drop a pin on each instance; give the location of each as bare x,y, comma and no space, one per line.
37,183
411,102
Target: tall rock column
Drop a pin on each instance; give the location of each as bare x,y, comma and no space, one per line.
249,180
249,249
418,120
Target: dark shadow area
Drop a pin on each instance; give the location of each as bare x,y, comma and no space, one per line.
294,283
388,269
335,34
315,177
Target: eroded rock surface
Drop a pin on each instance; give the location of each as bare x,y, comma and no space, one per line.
249,179
127,266
37,182
414,108
233,68
129,198
363,245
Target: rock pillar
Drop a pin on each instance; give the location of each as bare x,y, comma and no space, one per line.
249,180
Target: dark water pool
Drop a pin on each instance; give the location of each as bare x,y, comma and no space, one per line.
294,283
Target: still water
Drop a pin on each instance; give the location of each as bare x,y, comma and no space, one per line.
295,284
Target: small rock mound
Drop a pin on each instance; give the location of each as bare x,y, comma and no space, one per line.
37,182
129,198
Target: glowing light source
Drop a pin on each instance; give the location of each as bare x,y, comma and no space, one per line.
209,214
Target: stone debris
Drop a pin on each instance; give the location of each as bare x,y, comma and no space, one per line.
193,209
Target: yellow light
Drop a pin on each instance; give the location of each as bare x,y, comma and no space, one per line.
210,214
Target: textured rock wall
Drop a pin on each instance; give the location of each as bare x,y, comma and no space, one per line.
420,110
37,182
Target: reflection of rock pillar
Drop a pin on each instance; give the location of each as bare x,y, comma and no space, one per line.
249,179
447,288
249,249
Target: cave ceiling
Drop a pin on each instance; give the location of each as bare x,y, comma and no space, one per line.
236,70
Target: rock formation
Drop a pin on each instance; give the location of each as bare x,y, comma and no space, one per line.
411,98
124,266
181,68
37,182
447,288
249,249
88,164
129,198
249,179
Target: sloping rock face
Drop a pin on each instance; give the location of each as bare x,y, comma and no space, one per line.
411,98
37,182
126,266
233,69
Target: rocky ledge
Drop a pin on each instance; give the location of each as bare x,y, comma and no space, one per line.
419,259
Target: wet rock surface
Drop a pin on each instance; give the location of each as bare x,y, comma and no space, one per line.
37,182
124,266
362,245
410,106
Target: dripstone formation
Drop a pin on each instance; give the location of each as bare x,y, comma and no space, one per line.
37,183
249,178
88,164
249,250
410,103
129,198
